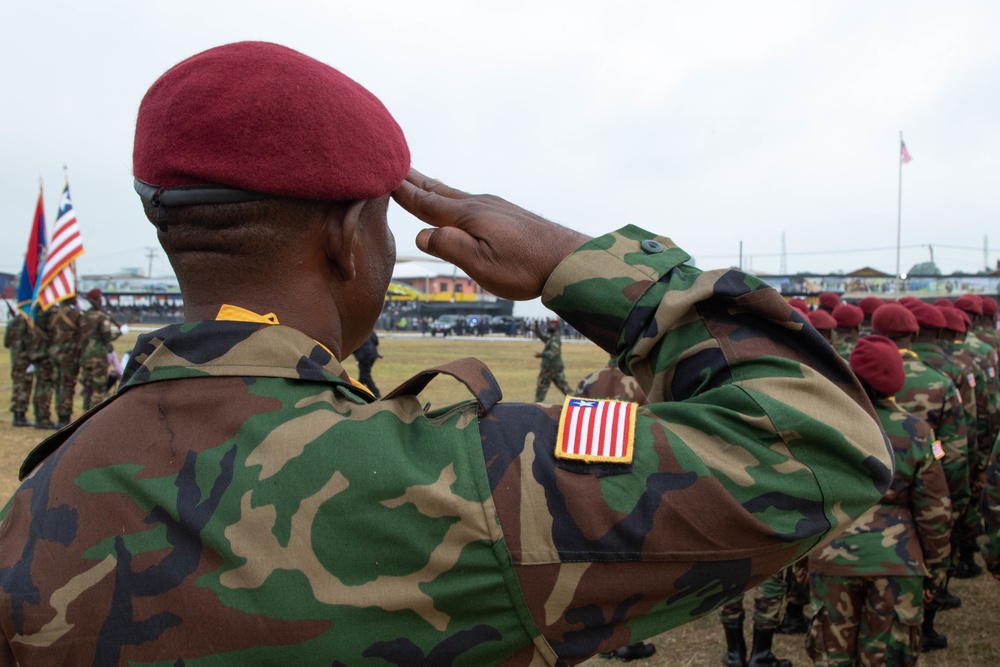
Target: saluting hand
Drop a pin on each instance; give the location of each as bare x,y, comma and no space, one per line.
506,249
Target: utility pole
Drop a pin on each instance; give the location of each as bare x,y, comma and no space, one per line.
150,253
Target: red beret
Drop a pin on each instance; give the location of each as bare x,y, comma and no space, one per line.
799,305
829,300
953,318
870,304
848,315
989,306
970,303
908,299
94,294
263,118
821,320
893,319
944,303
928,317
876,360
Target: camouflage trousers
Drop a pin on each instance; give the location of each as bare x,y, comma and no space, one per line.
65,372
44,385
93,380
20,384
547,376
769,597
865,621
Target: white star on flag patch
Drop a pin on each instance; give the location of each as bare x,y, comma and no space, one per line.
596,430
937,449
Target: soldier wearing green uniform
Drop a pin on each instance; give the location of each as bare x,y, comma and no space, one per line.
241,501
552,370
869,583
845,336
97,332
991,513
64,351
45,374
930,395
17,339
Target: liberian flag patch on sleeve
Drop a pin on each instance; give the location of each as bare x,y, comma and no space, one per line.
937,449
596,430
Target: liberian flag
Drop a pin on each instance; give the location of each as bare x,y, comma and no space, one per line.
904,155
34,261
58,282
596,430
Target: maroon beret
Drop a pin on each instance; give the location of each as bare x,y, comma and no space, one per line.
848,315
928,317
876,360
944,303
953,318
799,305
263,118
870,304
829,300
893,320
970,303
94,294
989,306
821,320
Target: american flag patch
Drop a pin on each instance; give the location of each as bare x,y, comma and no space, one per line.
596,430
938,450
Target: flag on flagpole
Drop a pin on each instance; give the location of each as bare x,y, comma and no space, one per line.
58,282
904,155
34,261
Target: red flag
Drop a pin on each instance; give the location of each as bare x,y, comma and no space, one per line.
34,261
904,155
58,282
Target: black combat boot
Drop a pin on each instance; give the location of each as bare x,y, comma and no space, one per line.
761,655
45,423
931,639
736,645
21,420
967,567
631,652
63,421
794,622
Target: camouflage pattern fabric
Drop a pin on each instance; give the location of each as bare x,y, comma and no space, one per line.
865,621
991,511
768,602
552,370
239,501
17,338
987,358
609,382
64,351
44,372
845,345
930,395
97,333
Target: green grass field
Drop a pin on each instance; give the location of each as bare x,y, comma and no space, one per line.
973,638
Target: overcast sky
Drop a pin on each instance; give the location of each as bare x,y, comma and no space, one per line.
710,122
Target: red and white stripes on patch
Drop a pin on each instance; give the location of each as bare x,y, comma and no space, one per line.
596,430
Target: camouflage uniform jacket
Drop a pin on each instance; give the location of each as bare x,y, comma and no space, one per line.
239,501
965,382
552,352
64,332
17,338
908,532
930,395
987,399
609,382
97,332
991,511
40,336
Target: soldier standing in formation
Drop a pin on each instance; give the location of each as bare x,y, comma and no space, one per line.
45,373
366,356
64,351
552,370
470,535
991,513
867,590
97,333
17,338
845,336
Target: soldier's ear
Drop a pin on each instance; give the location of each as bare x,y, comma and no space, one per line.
342,235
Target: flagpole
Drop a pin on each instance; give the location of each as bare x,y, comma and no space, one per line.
899,208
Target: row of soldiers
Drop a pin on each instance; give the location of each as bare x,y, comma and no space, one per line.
48,354
941,412
871,596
